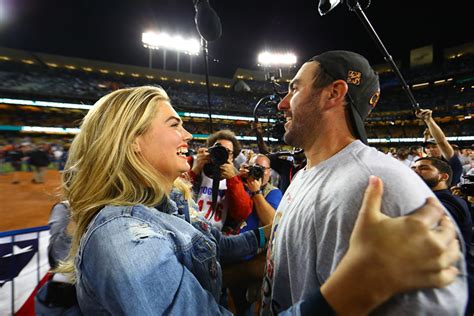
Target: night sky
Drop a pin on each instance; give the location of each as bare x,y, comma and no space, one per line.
111,30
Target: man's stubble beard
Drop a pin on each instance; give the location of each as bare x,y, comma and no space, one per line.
431,182
305,130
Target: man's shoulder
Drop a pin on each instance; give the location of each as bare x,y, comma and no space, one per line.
270,188
369,160
455,162
271,192
399,180
448,197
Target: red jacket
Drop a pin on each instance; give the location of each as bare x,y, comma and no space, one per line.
240,203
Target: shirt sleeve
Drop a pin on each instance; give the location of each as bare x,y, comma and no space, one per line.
274,197
59,241
456,166
233,248
240,203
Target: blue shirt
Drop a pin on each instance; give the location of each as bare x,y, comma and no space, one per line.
273,198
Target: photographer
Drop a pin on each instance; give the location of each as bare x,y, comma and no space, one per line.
265,196
233,204
245,279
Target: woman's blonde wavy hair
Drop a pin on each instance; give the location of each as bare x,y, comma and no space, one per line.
103,166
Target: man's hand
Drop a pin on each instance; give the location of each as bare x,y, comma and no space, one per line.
202,158
257,126
455,190
253,184
228,171
425,241
244,171
387,255
424,114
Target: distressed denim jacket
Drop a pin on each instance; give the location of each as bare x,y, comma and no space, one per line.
138,260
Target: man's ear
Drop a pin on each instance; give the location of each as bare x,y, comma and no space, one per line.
444,177
337,91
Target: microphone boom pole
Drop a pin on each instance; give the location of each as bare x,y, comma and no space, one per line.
205,52
208,25
355,7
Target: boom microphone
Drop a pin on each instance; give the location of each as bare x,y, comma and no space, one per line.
208,23
327,5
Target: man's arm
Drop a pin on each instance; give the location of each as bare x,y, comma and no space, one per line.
240,203
263,205
262,147
437,133
202,158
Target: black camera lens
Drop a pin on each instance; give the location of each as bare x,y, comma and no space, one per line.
218,154
467,189
469,177
256,172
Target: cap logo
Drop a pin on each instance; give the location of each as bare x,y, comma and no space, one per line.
354,77
374,99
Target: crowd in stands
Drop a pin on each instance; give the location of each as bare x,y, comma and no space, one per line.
450,67
73,84
392,118
24,79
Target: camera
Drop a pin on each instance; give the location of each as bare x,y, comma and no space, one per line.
219,156
467,188
256,172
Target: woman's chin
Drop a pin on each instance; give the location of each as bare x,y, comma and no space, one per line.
184,168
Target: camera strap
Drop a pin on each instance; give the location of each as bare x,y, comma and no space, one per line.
216,179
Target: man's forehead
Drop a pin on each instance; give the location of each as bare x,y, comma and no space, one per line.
262,161
423,162
226,143
307,71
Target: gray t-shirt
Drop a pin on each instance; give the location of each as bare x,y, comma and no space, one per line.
314,221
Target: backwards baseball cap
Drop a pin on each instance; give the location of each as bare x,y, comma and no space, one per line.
429,141
363,82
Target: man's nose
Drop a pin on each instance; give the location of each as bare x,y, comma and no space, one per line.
284,103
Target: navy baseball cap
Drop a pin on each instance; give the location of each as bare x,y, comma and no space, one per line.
362,80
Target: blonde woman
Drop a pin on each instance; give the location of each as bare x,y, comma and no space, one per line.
135,251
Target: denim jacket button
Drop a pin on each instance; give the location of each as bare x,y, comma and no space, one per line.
213,269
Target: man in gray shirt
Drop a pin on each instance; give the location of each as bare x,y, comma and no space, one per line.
327,103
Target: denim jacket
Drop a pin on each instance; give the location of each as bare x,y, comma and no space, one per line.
138,260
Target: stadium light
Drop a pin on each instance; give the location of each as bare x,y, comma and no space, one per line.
165,41
269,59
155,40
